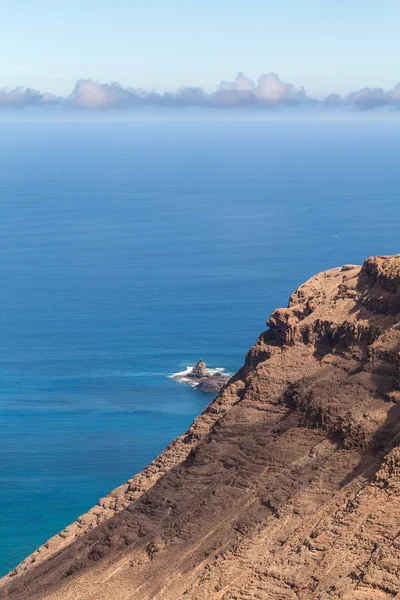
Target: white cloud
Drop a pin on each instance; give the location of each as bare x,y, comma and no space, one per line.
241,84
269,90
92,95
368,98
20,97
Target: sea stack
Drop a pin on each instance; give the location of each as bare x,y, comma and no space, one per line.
287,487
202,379
199,370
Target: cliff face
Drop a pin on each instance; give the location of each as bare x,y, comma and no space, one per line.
286,487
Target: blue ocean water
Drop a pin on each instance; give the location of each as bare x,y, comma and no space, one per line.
130,250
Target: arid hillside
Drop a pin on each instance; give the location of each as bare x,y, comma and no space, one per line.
287,487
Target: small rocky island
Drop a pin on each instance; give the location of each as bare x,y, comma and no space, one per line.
202,379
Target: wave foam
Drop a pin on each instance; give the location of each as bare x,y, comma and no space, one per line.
106,375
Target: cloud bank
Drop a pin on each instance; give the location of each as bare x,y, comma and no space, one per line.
268,92
21,97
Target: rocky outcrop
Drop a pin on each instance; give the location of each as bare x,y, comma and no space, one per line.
213,383
287,486
199,370
202,379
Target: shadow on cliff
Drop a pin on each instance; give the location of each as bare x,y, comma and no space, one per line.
381,443
229,486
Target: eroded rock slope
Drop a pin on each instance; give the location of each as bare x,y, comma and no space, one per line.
286,487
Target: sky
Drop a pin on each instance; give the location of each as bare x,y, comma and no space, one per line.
324,46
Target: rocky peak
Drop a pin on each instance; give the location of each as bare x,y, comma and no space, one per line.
199,370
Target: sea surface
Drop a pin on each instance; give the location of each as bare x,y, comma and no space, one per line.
131,250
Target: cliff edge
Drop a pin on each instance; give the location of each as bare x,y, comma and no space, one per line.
287,487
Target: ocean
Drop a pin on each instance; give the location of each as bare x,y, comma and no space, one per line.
131,250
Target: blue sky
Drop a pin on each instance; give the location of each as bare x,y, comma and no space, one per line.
325,45
303,50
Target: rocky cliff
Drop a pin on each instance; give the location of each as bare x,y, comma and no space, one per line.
287,487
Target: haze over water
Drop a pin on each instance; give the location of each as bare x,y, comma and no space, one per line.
130,250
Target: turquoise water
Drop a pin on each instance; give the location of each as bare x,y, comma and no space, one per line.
129,251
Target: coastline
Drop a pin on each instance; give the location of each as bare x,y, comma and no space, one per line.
124,495
293,468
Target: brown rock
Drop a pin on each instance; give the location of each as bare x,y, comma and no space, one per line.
199,370
213,383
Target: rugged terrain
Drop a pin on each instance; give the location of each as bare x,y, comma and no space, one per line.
287,487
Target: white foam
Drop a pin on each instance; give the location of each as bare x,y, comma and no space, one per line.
218,370
181,374
106,375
